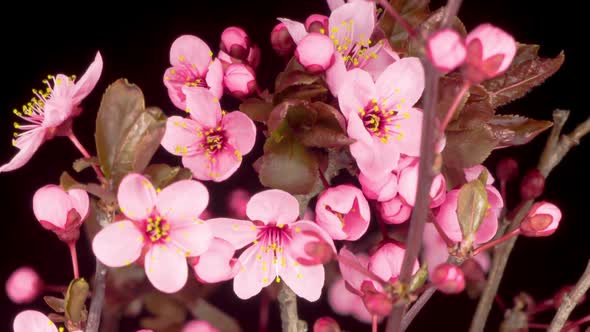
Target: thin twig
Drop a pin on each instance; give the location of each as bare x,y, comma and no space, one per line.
570,301
402,22
288,305
416,307
556,148
97,303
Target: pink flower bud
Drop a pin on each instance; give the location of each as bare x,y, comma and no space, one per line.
376,302
532,185
61,212
315,52
394,211
408,182
253,58
237,201
326,324
446,50
198,326
24,285
542,220
311,248
240,80
379,188
490,51
343,212
507,169
281,40
448,279
317,23
235,42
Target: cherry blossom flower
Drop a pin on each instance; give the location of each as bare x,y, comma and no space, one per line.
192,65
269,255
50,112
281,40
33,321
161,226
381,117
542,220
217,263
60,211
344,302
239,79
24,285
210,141
394,211
490,51
315,52
343,212
350,27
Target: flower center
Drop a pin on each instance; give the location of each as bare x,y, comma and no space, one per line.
157,229
381,122
214,140
354,53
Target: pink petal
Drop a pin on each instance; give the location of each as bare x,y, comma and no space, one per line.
446,50
181,135
447,216
357,131
80,201
303,233
136,196
214,78
394,211
343,199
360,15
52,204
33,321
203,106
495,41
199,165
377,158
402,83
28,146
384,56
473,173
305,281
494,198
410,127
333,4
488,228
336,75
435,250
88,81
296,29
340,298
118,244
183,201
192,238
386,262
273,206
237,232
217,263
356,92
190,51
349,267
240,131
227,163
257,271
166,268
315,52
381,188
174,80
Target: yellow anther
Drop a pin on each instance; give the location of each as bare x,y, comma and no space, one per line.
181,59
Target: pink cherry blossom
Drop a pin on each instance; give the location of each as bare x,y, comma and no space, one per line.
268,235
198,326
239,79
446,50
60,211
217,263
235,42
542,220
33,321
343,212
394,211
24,285
408,182
192,65
281,40
381,188
50,112
350,27
344,302
490,51
448,278
326,324
162,225
381,117
237,202
315,52
386,262
210,141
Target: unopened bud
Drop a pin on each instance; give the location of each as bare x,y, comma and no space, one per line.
240,80
235,42
507,169
198,326
377,303
326,324
542,220
281,40
394,211
532,185
446,50
315,52
448,279
24,285
317,23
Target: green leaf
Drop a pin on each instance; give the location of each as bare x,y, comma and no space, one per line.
55,303
75,308
527,71
419,278
472,205
256,109
127,134
513,130
163,175
81,164
470,147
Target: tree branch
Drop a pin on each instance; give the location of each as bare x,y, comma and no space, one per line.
288,304
416,307
570,301
556,148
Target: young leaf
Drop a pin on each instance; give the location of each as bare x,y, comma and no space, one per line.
67,182
162,175
527,71
256,109
513,130
75,308
467,148
57,304
471,207
414,12
81,164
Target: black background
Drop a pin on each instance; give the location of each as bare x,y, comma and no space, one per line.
135,43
